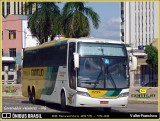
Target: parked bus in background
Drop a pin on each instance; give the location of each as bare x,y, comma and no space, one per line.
12,74
84,72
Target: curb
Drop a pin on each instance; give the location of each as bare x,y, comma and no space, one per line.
13,96
143,101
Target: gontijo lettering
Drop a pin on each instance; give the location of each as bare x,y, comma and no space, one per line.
37,72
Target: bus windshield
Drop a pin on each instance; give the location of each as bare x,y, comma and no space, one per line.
103,66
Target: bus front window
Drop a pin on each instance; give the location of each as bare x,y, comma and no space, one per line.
11,65
103,71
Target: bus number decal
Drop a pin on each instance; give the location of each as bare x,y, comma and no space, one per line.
37,72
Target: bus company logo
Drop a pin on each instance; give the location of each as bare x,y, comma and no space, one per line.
143,94
143,90
10,89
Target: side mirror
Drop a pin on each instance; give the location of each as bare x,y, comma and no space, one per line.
76,60
133,63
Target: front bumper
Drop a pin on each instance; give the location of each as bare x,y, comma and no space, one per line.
84,101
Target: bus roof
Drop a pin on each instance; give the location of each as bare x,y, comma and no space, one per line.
8,59
82,39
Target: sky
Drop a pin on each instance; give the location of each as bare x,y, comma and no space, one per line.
109,13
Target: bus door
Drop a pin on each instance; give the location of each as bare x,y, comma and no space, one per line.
71,73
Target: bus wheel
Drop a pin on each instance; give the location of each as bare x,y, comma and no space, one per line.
33,97
63,101
30,96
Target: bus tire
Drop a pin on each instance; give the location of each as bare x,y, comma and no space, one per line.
33,96
30,96
63,101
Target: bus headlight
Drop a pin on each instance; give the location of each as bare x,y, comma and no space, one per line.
83,93
124,94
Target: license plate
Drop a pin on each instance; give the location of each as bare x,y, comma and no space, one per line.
103,102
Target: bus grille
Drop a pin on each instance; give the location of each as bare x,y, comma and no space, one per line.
10,77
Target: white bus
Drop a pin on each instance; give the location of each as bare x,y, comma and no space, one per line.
12,74
84,72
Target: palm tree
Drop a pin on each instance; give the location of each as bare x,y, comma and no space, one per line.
43,22
76,19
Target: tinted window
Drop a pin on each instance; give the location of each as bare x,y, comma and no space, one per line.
50,56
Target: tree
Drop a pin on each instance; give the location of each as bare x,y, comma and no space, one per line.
152,54
73,21
43,22
76,19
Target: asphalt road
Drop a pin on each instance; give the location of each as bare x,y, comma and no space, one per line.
22,105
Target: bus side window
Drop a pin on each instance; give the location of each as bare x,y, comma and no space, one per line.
71,70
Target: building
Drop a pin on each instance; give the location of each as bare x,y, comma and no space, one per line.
27,39
16,8
155,42
15,36
145,75
139,27
139,22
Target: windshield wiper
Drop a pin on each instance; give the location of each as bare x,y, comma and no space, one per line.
97,80
112,81
108,74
